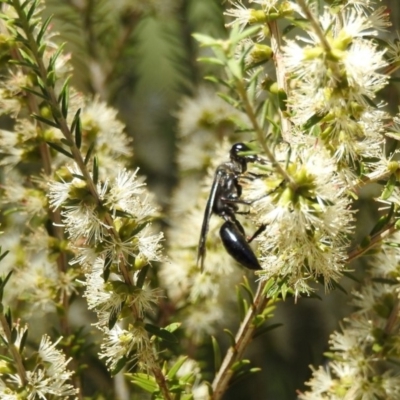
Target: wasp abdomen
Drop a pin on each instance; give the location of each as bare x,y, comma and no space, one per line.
237,247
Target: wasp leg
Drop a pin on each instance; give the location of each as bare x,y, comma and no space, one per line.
256,233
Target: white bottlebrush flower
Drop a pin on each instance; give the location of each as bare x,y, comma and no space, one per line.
6,393
244,15
359,368
49,376
206,112
123,343
336,82
100,123
107,298
306,224
125,193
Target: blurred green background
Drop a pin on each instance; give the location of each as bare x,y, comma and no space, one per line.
140,57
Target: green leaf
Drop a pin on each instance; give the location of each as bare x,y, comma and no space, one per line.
268,286
234,67
161,333
23,341
231,337
95,170
60,149
214,79
284,291
211,60
66,142
393,135
389,187
5,358
217,353
176,367
32,10
144,381
27,58
142,276
89,152
107,266
120,364
241,303
76,127
313,120
8,318
4,281
339,286
243,374
53,59
63,98
45,121
173,327
383,221
14,335
263,330
230,100
112,320
38,94
238,365
206,40
2,255
24,64
351,276
246,286
247,33
43,29
51,79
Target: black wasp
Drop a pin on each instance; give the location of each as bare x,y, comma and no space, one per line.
223,201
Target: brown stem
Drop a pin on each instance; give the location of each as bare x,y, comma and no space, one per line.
315,25
393,317
374,241
260,134
280,75
242,340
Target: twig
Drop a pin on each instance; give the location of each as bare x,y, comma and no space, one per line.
242,340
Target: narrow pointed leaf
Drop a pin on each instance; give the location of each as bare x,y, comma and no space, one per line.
89,152
95,170
60,149
43,29
23,341
389,187
38,94
382,221
265,329
45,120
231,337
120,364
144,381
173,327
112,320
161,333
217,353
1,257
176,367
142,276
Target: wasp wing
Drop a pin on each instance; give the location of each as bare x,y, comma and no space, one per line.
201,252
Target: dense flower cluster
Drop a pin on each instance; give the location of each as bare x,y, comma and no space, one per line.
362,351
